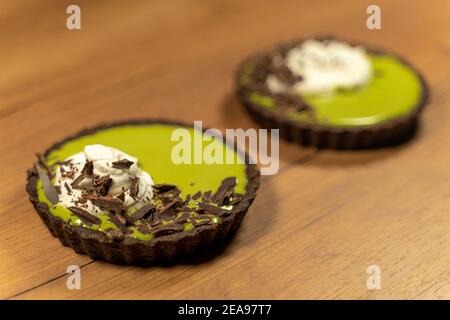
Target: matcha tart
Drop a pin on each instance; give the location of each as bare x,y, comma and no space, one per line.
115,193
329,93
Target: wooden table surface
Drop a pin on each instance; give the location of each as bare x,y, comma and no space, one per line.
176,59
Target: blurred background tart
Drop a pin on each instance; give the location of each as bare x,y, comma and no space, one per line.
329,93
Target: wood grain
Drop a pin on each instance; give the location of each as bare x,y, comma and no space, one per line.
314,228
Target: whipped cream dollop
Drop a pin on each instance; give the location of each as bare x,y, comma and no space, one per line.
107,162
324,66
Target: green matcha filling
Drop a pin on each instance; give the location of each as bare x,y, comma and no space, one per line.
152,145
394,91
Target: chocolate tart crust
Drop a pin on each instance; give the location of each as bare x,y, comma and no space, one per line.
124,250
390,132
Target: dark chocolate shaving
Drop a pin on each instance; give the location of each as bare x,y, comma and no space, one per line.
235,198
121,218
167,229
87,171
118,220
206,196
134,187
43,163
122,164
49,188
163,188
169,214
153,219
197,195
225,188
69,191
85,216
121,196
141,213
167,206
172,193
204,207
102,184
107,203
75,183
88,168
